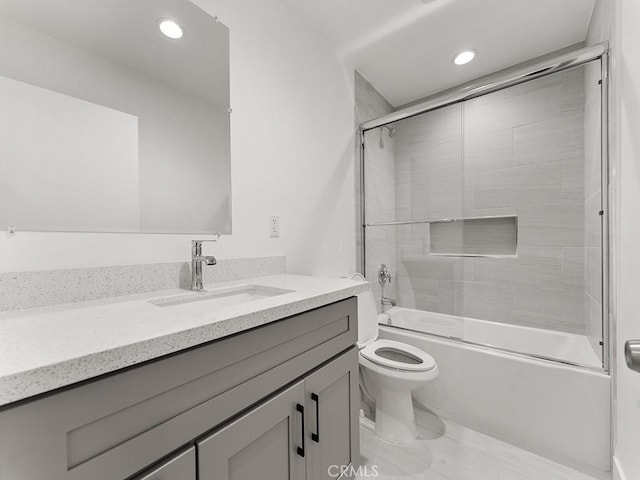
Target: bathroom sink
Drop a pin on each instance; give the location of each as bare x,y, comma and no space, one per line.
208,300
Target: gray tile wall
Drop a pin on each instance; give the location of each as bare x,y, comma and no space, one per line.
520,151
429,168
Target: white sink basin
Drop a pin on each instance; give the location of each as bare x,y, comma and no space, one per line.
208,300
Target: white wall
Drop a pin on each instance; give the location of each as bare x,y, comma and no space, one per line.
627,68
292,153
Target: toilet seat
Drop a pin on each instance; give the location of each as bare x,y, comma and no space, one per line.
389,353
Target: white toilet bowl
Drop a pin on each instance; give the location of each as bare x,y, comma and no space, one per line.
390,382
390,371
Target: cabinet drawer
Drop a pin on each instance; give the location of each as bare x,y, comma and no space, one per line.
180,467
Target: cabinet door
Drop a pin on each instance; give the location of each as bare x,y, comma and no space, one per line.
332,400
179,467
266,443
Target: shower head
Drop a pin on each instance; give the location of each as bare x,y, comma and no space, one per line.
392,133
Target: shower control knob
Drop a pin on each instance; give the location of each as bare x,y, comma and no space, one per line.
384,275
632,354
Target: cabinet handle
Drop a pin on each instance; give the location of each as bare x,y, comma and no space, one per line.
300,409
316,436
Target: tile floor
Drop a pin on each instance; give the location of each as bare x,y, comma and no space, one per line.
447,451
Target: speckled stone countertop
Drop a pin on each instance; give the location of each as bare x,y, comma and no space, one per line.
42,349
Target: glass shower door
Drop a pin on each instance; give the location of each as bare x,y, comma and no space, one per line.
413,187
487,215
532,179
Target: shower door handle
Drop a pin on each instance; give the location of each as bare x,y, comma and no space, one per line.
632,354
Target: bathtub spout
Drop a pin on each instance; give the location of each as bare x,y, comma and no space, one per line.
388,301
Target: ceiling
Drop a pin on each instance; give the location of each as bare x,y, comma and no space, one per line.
125,32
405,48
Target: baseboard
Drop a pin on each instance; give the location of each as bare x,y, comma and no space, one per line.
618,472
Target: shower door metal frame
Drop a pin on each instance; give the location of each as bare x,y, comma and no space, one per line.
500,81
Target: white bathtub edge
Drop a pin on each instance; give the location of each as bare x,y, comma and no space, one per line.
524,357
564,347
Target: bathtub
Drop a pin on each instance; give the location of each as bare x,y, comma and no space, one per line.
553,409
547,344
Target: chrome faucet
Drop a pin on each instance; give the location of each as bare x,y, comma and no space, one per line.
384,276
197,259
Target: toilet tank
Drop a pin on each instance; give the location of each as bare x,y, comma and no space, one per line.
367,318
367,314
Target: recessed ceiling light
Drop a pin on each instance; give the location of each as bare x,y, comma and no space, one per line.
170,28
465,57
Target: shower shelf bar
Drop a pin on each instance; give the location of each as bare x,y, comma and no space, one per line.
409,222
439,220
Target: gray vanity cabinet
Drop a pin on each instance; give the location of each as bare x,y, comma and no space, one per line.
265,444
196,402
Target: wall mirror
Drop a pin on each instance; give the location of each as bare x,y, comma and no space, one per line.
107,124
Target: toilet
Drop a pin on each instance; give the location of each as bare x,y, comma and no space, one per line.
390,370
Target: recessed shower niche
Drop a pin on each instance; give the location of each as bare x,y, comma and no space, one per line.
474,237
